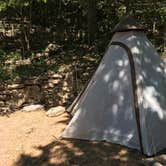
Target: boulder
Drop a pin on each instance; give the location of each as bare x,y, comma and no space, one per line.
149,161
152,161
55,111
162,159
157,164
33,107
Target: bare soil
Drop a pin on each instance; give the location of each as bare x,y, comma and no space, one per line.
33,139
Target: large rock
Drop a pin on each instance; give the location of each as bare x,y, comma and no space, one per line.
149,161
162,159
157,164
152,161
55,111
33,107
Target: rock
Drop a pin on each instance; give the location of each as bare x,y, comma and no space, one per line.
2,103
55,111
157,164
15,86
54,81
152,161
23,62
162,159
149,161
52,48
32,94
56,76
5,109
50,85
2,88
33,107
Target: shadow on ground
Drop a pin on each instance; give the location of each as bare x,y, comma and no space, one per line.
69,152
72,152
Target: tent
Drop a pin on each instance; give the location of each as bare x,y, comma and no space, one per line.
125,100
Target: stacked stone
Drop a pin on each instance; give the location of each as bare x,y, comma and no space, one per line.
49,90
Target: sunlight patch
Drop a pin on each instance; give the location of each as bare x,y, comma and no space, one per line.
135,50
120,62
107,77
150,95
116,85
115,109
121,74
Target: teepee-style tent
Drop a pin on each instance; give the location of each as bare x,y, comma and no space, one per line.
125,101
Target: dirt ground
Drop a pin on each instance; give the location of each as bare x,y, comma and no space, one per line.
32,139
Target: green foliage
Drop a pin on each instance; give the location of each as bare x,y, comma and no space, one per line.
163,54
66,22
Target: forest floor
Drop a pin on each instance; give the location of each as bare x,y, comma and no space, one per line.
33,139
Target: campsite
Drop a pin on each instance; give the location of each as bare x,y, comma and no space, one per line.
82,83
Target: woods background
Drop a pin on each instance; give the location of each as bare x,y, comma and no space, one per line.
34,33
49,49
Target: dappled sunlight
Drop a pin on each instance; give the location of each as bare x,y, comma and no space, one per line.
105,102
121,74
76,152
107,77
158,69
109,97
115,109
115,85
135,50
150,95
151,77
74,64
147,61
49,49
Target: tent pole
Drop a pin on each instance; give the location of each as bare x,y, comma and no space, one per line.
134,87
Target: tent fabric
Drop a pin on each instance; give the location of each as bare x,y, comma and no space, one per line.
128,23
105,111
151,81
101,122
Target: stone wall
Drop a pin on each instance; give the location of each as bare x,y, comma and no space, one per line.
49,90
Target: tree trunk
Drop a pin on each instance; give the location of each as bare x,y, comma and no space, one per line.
92,22
165,39
127,4
154,26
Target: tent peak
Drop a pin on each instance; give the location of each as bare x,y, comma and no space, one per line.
128,23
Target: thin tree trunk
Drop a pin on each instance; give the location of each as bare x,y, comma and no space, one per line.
92,22
154,26
165,39
127,4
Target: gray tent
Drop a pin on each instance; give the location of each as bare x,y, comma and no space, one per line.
125,101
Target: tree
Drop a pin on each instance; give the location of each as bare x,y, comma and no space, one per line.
164,39
92,24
